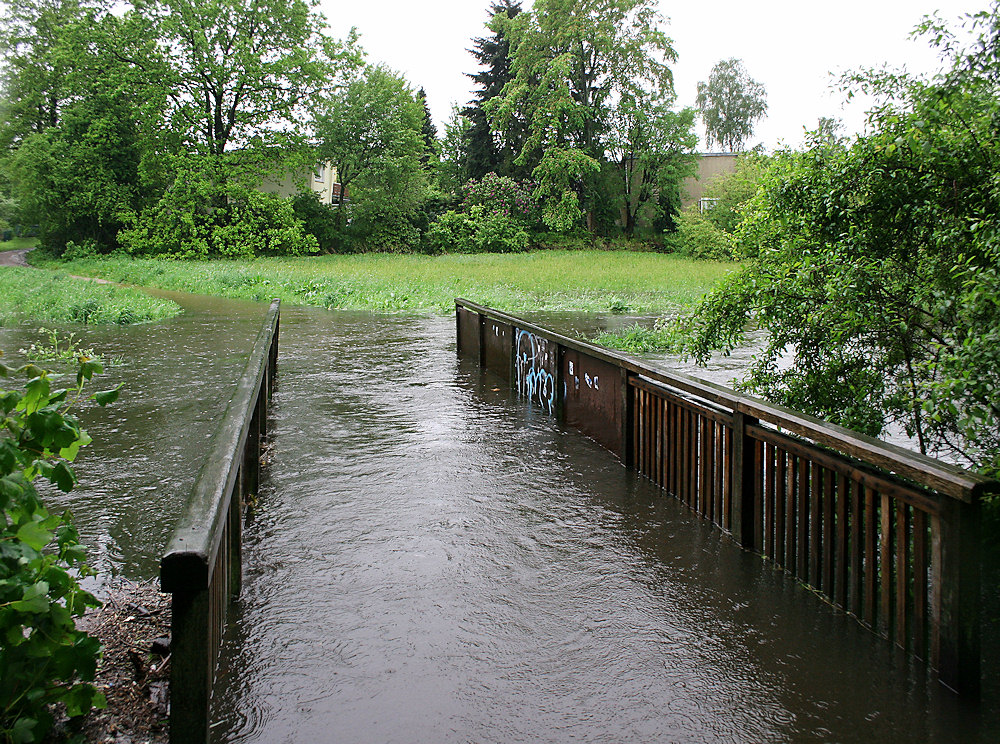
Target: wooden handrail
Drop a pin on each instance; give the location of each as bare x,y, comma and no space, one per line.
201,567
925,471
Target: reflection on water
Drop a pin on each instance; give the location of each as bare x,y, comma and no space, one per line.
433,562
178,375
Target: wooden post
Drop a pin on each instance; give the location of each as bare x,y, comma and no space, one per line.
955,620
628,418
743,482
192,666
560,397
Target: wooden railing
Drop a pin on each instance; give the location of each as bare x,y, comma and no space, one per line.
201,567
886,534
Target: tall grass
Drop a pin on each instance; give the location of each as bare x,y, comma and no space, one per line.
42,296
593,281
16,244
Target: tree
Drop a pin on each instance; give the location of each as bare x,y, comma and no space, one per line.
428,132
80,181
571,61
490,151
652,148
42,42
372,133
730,102
873,264
81,163
241,74
455,169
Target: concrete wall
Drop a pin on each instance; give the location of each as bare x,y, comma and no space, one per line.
320,179
710,164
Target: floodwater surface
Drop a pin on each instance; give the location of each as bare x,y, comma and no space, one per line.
177,376
432,561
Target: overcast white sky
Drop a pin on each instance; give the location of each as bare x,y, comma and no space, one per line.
791,46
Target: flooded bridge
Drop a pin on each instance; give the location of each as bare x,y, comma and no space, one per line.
433,559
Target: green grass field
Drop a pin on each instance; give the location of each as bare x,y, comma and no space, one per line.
590,281
15,244
29,295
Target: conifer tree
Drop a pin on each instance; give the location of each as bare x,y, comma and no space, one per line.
487,151
428,131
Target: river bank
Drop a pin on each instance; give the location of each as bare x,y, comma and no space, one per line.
556,280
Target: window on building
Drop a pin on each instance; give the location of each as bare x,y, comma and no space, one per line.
707,205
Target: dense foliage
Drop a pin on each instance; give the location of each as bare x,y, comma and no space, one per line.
116,119
730,103
874,265
373,132
44,659
593,84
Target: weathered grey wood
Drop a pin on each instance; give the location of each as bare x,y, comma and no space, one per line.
202,565
191,666
188,560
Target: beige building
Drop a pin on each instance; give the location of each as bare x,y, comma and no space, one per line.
322,180
710,165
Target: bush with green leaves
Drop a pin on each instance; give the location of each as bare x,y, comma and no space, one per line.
44,658
696,236
198,218
322,221
873,263
476,231
502,196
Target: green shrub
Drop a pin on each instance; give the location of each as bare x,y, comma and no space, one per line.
44,659
697,237
478,231
452,232
379,225
322,222
196,219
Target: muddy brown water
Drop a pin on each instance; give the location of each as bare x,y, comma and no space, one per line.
432,561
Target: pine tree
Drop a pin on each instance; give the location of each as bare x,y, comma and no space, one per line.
428,132
488,151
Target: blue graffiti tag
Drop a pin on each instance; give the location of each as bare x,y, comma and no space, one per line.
533,380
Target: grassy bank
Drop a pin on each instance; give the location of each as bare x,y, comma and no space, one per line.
16,244
41,296
592,281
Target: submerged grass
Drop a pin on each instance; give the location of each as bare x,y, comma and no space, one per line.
41,296
637,339
590,281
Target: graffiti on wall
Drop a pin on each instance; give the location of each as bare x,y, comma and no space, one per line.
533,361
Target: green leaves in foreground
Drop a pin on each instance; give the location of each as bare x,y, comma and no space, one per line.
44,659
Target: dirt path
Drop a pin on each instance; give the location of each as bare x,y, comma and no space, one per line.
14,258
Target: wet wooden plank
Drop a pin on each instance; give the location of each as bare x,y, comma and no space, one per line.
704,462
887,565
803,509
871,558
780,484
901,629
817,546
727,482
857,549
841,554
791,512
770,510
920,607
